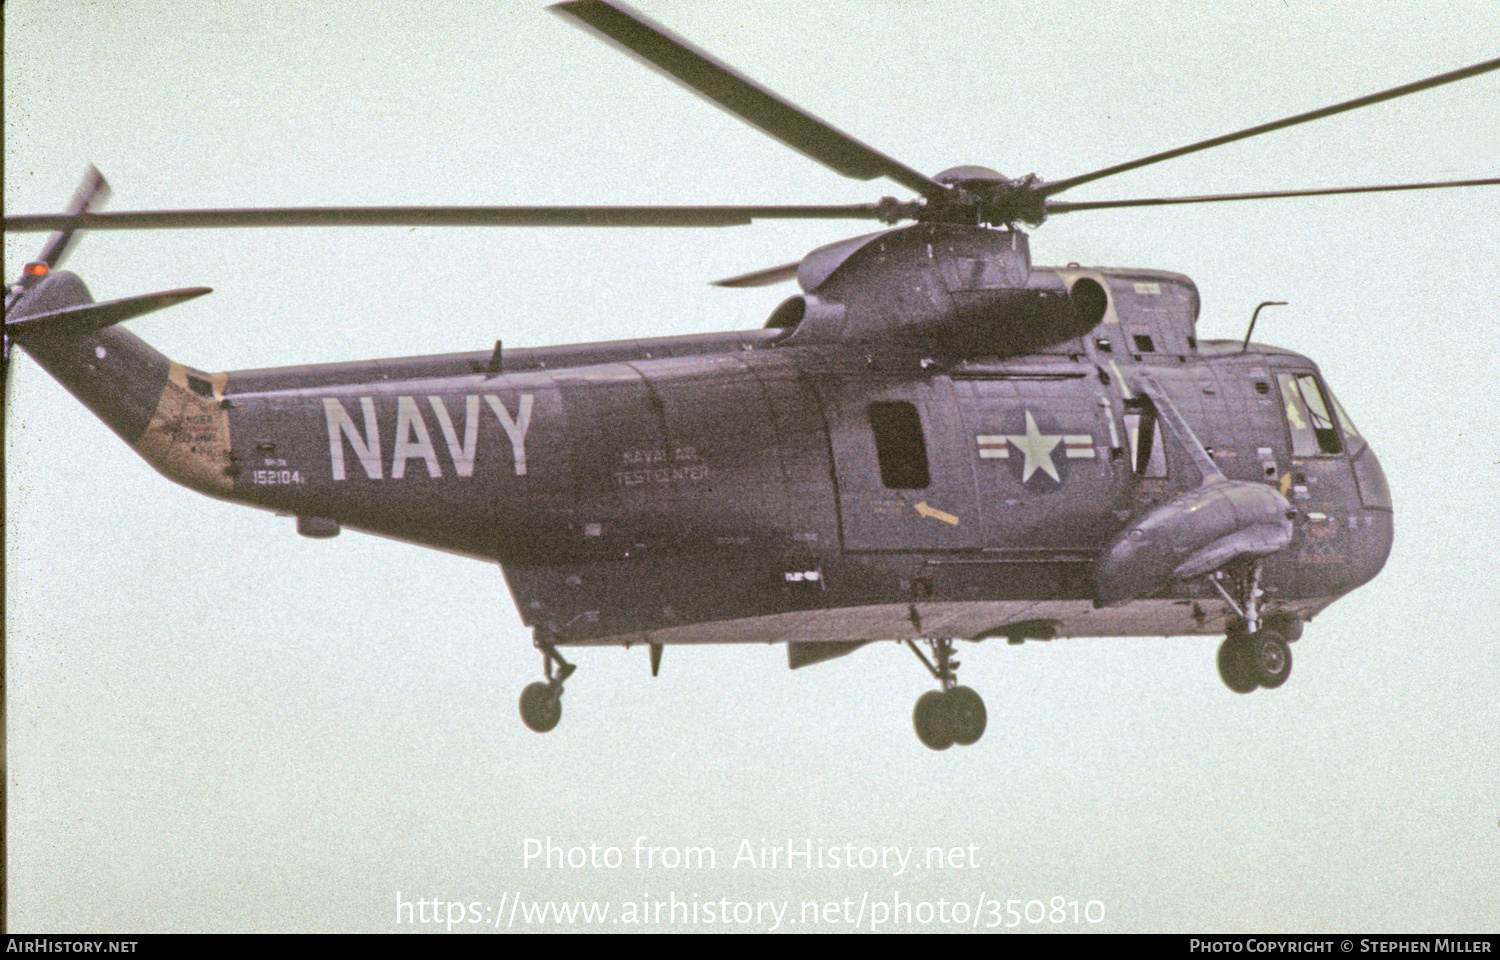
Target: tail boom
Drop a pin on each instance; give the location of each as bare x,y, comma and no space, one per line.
174,416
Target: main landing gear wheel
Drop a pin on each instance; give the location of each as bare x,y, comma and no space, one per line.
951,715
541,702
1262,659
1255,654
1270,658
1234,664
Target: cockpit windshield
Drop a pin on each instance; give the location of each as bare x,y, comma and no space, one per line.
1310,415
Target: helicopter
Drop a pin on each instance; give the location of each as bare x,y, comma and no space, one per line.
937,441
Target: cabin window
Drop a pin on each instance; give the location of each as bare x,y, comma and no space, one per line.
1308,416
1148,455
900,445
1143,343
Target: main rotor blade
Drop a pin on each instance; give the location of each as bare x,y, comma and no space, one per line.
1058,186
725,216
1063,206
762,278
743,97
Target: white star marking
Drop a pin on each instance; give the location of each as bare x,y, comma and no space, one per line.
1037,448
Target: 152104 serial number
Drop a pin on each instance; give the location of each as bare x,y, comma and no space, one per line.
275,477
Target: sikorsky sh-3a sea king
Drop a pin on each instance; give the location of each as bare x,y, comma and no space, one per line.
934,441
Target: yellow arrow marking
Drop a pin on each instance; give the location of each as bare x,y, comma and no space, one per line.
936,514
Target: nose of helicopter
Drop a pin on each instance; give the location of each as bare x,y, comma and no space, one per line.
1376,530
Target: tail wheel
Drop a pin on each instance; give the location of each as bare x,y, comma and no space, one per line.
966,715
952,714
541,707
930,717
947,717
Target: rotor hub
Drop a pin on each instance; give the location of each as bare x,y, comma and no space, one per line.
978,195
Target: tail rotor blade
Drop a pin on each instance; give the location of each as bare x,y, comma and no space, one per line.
94,190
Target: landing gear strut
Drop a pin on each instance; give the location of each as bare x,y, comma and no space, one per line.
953,714
541,702
1255,653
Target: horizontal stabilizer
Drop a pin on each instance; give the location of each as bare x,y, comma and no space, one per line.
88,317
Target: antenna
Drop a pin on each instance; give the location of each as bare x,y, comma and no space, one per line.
1264,303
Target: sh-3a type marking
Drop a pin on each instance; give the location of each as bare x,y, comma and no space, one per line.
935,441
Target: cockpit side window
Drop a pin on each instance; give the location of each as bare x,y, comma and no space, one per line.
1308,415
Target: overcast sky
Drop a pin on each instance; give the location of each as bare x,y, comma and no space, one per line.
214,724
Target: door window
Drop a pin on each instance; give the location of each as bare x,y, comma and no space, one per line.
900,445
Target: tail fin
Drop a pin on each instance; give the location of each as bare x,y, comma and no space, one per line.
173,416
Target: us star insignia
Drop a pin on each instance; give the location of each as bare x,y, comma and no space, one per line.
1037,448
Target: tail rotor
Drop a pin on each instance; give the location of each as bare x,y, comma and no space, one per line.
94,190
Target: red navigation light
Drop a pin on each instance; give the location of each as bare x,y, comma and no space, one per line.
36,269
